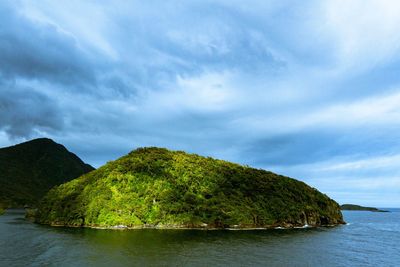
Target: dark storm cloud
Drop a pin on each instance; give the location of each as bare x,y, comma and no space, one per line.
42,52
292,149
35,52
23,110
31,50
318,145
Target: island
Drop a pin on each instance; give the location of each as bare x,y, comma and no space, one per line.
158,188
360,208
30,169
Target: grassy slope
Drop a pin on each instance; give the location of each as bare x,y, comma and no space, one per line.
155,186
30,169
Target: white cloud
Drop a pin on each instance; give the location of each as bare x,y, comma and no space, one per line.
375,110
85,21
210,92
368,163
365,31
370,112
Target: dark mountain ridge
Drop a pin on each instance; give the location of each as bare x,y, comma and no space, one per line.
28,170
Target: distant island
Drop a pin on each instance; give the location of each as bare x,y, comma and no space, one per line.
361,208
30,169
157,188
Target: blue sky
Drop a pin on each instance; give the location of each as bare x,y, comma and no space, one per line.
308,89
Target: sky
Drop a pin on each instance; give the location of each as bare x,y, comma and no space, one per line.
307,89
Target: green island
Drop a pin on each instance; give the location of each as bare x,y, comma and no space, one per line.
30,169
360,208
157,188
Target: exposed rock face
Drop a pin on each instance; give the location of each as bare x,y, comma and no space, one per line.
154,187
30,169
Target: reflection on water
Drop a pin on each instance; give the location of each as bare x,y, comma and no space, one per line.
370,240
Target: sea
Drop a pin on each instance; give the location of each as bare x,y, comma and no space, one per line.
368,239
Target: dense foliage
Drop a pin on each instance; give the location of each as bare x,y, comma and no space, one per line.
30,169
157,187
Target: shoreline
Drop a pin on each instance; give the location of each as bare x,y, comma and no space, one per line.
123,227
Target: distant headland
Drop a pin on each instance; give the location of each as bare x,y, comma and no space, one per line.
360,208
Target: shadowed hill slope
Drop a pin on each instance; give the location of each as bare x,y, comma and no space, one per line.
28,170
155,187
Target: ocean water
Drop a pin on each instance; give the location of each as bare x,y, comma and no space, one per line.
369,239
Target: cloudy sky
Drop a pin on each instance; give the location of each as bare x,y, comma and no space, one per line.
308,89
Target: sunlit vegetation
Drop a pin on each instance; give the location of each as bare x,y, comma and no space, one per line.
29,170
158,187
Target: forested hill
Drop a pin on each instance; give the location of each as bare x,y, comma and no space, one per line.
28,170
155,187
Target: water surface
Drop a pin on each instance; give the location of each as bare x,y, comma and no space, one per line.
370,239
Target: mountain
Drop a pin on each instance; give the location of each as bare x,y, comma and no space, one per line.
155,187
357,207
28,170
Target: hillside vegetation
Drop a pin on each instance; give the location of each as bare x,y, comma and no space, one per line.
30,169
155,187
